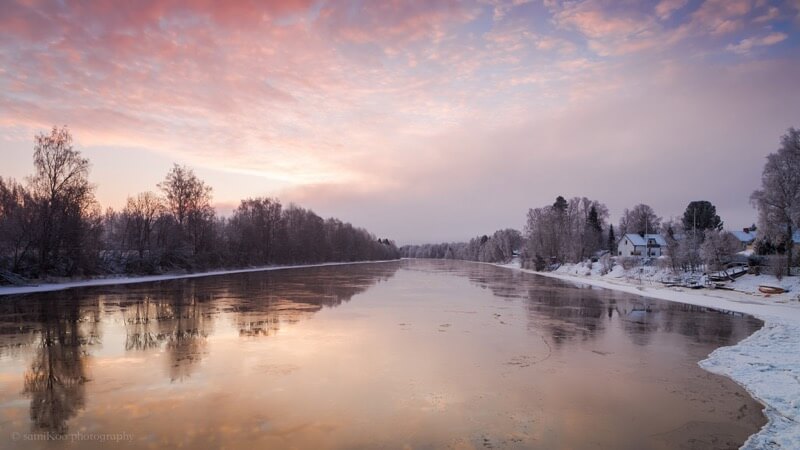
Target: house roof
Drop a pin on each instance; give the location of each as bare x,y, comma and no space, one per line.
745,237
637,239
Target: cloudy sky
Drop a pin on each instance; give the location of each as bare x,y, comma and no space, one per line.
421,121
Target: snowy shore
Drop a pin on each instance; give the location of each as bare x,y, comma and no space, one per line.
48,287
766,364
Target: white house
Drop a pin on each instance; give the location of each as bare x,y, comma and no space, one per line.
633,244
746,238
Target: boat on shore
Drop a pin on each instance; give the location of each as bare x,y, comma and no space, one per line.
767,289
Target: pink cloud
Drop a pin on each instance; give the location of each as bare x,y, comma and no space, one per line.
609,32
350,98
722,16
666,8
394,21
748,44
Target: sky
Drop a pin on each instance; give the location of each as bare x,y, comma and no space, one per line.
421,121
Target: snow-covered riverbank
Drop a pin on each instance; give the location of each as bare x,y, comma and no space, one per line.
48,287
767,363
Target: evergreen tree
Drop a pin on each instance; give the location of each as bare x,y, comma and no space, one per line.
593,221
612,240
701,215
560,204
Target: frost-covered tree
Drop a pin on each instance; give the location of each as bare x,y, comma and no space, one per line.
688,251
778,200
254,228
718,248
641,219
567,231
65,205
672,231
17,219
188,200
139,216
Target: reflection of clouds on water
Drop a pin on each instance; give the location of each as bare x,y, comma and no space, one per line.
223,377
176,317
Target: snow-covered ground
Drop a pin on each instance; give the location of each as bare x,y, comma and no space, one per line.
47,287
767,363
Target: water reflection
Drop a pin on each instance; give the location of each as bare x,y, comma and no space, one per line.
571,312
446,354
176,316
178,320
55,380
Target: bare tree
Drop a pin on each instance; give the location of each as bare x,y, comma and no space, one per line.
184,193
671,230
641,220
188,199
53,225
778,200
17,221
140,215
718,248
688,251
568,231
254,228
60,187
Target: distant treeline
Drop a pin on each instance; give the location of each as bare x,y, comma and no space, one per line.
52,225
570,231
499,247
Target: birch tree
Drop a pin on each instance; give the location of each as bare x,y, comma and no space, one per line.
778,200
64,198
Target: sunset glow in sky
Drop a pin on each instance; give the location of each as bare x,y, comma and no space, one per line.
421,121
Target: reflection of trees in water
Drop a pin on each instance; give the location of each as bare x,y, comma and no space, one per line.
264,302
19,327
561,311
714,327
567,312
179,315
57,374
176,317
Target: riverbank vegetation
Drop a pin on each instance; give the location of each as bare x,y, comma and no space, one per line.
576,229
52,225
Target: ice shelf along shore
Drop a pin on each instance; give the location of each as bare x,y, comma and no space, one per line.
766,364
48,287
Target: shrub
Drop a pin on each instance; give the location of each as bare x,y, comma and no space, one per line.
777,266
606,264
628,262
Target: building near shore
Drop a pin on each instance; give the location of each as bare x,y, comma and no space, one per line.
637,245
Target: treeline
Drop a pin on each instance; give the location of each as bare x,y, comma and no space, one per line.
52,225
499,247
571,231
575,230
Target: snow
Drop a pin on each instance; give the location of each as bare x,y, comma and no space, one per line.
745,237
640,241
766,364
48,287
